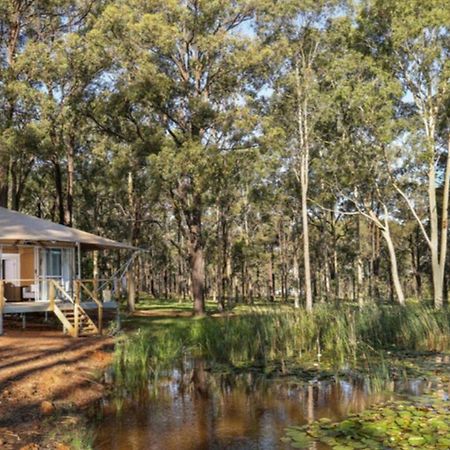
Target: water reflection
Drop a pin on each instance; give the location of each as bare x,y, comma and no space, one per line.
193,409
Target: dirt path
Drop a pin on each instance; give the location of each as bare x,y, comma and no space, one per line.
43,373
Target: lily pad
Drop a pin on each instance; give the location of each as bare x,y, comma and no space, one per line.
400,425
416,440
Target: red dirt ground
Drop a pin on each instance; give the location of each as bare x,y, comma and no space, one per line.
42,373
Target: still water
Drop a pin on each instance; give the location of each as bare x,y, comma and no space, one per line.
197,410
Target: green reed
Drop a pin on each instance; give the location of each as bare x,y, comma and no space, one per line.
340,336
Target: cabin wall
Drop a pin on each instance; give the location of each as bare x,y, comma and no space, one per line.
10,250
26,269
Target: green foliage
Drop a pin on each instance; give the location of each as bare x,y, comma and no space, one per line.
399,425
75,432
175,124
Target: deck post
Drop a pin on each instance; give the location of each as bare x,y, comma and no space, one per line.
100,319
100,312
2,301
118,317
51,295
116,291
95,289
76,307
131,288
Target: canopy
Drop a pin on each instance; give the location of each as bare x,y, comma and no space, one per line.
18,228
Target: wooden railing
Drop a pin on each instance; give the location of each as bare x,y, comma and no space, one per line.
83,291
53,287
80,286
95,286
100,285
77,309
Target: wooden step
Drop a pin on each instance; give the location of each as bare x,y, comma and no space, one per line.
86,327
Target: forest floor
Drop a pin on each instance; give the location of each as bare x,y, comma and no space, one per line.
47,378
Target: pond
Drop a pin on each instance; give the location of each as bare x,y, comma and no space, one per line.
195,409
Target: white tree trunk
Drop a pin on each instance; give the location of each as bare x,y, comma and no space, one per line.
386,232
394,266
303,177
296,281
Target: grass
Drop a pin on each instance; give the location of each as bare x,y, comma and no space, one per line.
70,431
334,337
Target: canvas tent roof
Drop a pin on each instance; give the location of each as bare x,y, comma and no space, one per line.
16,227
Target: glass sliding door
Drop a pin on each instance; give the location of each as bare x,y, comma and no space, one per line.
55,264
68,269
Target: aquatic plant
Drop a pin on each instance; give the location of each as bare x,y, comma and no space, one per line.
72,432
337,337
399,425
144,354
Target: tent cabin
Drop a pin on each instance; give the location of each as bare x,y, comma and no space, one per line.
40,271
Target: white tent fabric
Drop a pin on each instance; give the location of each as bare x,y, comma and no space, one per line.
16,228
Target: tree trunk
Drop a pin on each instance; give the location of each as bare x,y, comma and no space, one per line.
439,258
11,39
303,177
359,267
4,184
327,277
197,265
394,266
222,232
296,281
336,272
271,277
70,182
59,191
415,260
306,257
131,297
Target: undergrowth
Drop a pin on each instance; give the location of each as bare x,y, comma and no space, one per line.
338,336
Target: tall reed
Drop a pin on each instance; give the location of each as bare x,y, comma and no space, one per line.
340,335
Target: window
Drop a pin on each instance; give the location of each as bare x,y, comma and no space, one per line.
54,263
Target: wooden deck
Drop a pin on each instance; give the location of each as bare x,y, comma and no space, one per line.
69,307
35,307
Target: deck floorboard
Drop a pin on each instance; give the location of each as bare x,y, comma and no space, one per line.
34,307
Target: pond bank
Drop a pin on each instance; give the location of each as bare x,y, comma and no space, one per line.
46,381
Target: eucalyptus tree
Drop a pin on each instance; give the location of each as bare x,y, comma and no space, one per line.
232,196
358,128
296,33
20,20
65,72
24,25
415,45
185,63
